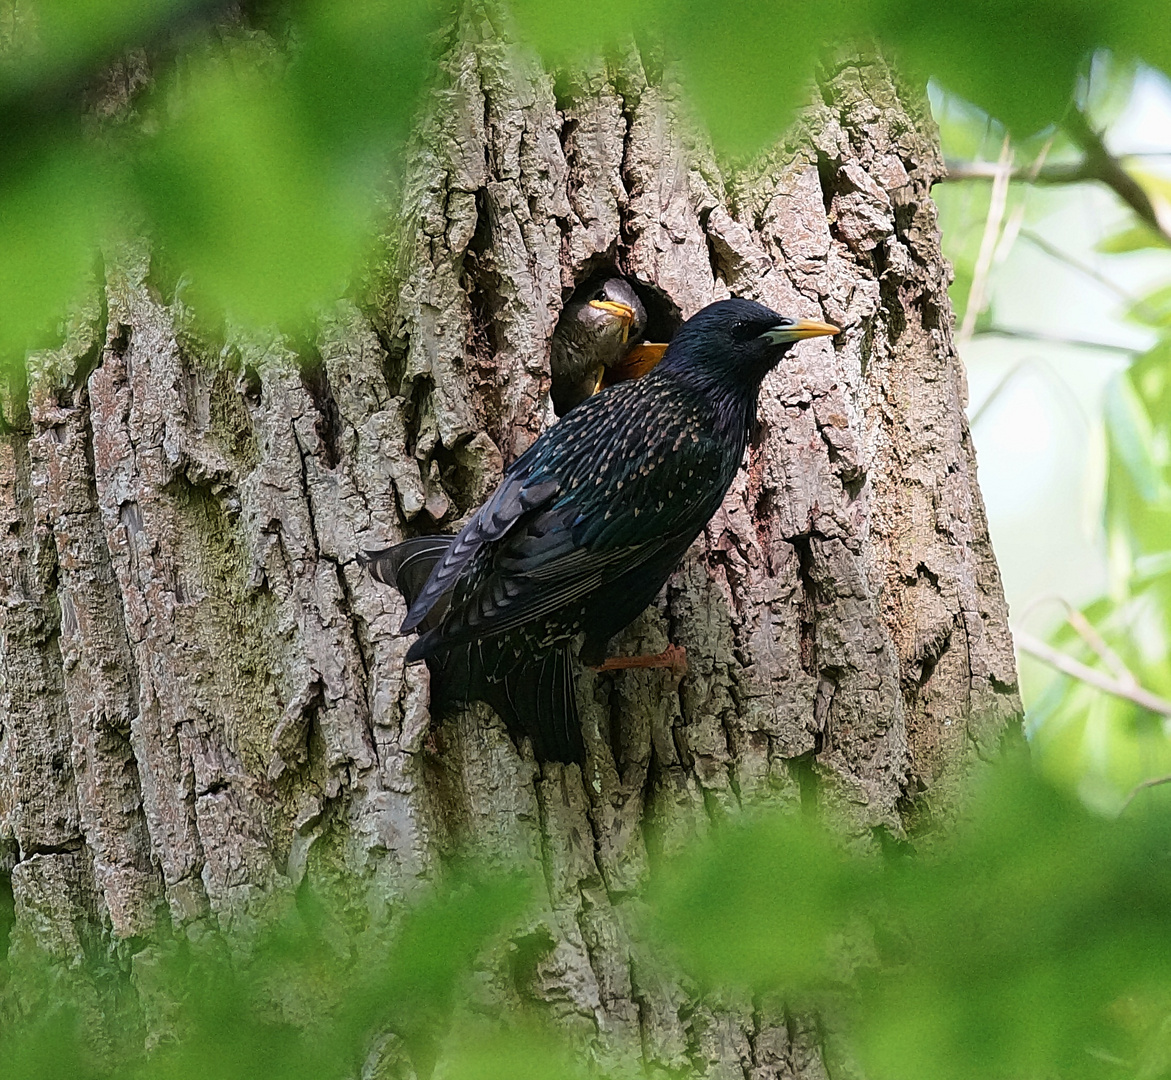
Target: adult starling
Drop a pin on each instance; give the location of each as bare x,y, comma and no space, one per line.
587,525
595,332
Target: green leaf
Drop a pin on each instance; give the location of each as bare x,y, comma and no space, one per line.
1001,953
747,73
762,904
55,206
238,203
1133,442
1135,237
1016,62
60,35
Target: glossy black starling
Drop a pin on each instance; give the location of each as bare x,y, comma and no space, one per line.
596,330
587,525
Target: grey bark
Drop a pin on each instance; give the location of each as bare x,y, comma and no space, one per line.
203,697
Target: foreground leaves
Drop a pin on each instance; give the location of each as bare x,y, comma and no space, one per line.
1035,942
255,154
312,995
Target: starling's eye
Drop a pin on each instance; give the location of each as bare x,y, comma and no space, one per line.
744,331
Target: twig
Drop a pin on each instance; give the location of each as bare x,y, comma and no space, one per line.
996,204
1154,781
1047,372
1057,172
1054,252
1055,339
1106,168
1061,172
1097,164
1067,665
1017,218
1087,632
1005,381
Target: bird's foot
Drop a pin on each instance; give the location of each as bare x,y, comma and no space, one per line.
673,658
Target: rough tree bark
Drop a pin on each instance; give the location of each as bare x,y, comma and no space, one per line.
203,697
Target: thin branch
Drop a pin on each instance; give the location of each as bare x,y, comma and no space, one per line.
1087,632
996,204
1016,219
993,396
1055,252
1108,169
1097,165
1042,367
1058,172
1055,339
1067,665
1154,781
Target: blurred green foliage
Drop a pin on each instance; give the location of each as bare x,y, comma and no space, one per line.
1036,942
1033,941
1107,743
254,155
310,994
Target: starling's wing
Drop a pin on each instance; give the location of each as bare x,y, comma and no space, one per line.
638,474
515,497
537,571
553,563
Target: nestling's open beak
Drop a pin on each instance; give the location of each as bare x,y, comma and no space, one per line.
622,312
799,330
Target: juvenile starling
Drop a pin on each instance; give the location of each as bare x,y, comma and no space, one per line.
595,332
588,524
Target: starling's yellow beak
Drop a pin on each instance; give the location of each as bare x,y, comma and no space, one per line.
622,312
800,329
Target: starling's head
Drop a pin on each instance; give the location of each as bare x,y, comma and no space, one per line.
737,341
615,310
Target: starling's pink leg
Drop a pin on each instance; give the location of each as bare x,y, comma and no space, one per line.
673,658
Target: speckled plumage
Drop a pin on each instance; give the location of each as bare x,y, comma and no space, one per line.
588,523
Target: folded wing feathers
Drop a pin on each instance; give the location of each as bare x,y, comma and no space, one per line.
491,522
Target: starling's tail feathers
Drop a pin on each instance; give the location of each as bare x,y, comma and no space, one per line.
535,696
407,566
539,699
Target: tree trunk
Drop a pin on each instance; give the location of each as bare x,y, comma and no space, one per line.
203,694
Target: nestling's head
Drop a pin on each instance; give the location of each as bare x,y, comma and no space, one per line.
737,341
615,311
